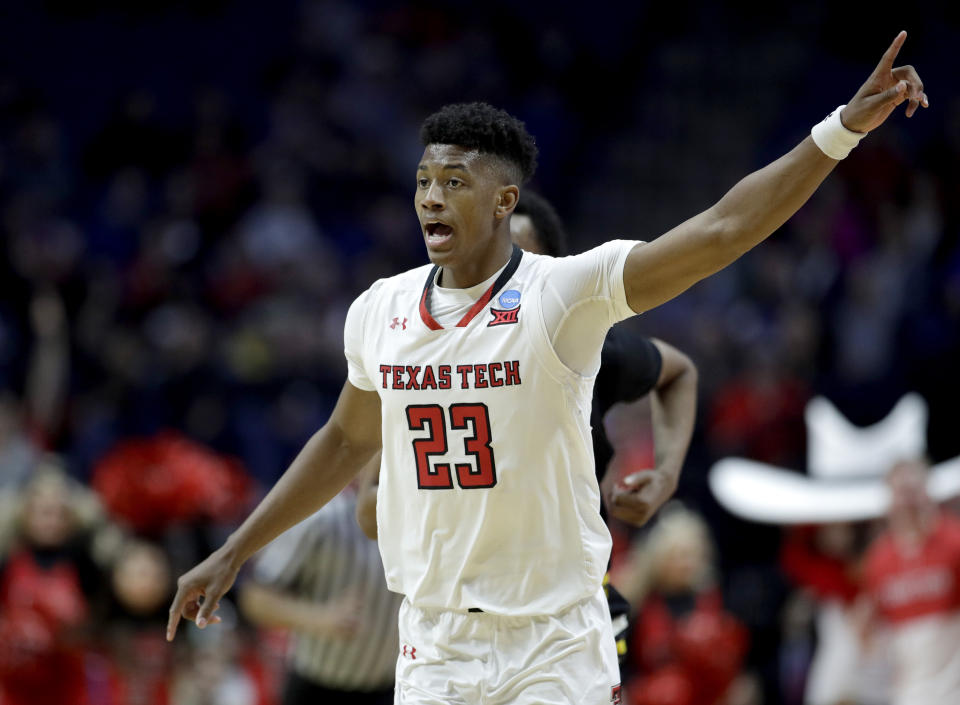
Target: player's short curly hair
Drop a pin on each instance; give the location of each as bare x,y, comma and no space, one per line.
546,223
487,129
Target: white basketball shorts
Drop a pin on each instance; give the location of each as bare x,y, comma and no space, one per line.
474,658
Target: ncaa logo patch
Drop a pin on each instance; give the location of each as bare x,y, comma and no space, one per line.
509,299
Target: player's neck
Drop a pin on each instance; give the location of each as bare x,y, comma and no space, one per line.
466,274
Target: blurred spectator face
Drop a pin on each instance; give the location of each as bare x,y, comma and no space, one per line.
683,564
141,579
47,517
523,234
836,540
681,552
908,489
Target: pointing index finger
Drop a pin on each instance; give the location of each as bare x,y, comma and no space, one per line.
890,55
175,612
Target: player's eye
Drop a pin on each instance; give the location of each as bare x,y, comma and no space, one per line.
423,183
454,183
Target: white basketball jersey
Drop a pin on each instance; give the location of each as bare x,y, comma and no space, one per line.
488,497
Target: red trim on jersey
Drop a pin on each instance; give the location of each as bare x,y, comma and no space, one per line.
477,307
424,311
480,304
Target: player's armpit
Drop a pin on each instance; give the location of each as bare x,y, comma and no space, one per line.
356,418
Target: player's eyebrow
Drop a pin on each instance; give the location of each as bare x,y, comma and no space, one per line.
454,165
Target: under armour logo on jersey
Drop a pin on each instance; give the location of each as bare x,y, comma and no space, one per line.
410,651
396,322
501,318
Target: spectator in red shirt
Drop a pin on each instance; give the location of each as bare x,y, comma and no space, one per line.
47,581
912,581
686,648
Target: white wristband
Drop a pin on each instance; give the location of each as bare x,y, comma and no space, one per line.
833,138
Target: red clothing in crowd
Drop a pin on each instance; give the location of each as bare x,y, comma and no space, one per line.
909,584
916,589
829,577
150,484
686,660
42,607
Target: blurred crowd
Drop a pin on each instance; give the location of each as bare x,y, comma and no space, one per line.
181,242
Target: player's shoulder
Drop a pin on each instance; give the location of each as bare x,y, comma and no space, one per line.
538,264
410,280
610,249
600,255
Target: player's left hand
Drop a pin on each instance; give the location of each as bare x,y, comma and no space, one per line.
199,591
638,497
885,89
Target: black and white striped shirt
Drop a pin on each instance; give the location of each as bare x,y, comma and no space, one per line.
320,559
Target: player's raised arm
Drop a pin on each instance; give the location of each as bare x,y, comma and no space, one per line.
327,463
764,200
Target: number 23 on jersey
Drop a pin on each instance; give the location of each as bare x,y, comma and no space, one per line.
480,473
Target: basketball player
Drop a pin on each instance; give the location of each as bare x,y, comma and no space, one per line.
631,367
474,376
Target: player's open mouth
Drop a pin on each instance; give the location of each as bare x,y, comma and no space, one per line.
437,233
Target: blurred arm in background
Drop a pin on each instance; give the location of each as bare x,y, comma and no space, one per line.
46,386
268,606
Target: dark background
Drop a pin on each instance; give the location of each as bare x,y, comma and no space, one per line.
192,194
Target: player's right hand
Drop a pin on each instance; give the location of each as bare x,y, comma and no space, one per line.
885,89
199,591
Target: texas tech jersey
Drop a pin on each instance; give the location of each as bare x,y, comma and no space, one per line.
488,497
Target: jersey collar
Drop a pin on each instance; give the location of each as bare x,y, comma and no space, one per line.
501,281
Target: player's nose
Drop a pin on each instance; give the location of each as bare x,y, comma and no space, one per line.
432,198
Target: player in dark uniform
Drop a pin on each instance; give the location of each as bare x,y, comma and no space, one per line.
631,367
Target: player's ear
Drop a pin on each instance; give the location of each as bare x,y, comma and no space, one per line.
507,198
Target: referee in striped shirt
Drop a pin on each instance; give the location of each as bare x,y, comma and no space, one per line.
324,580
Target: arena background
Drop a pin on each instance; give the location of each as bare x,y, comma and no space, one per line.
193,192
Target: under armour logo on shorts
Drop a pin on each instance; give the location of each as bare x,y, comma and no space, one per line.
410,651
